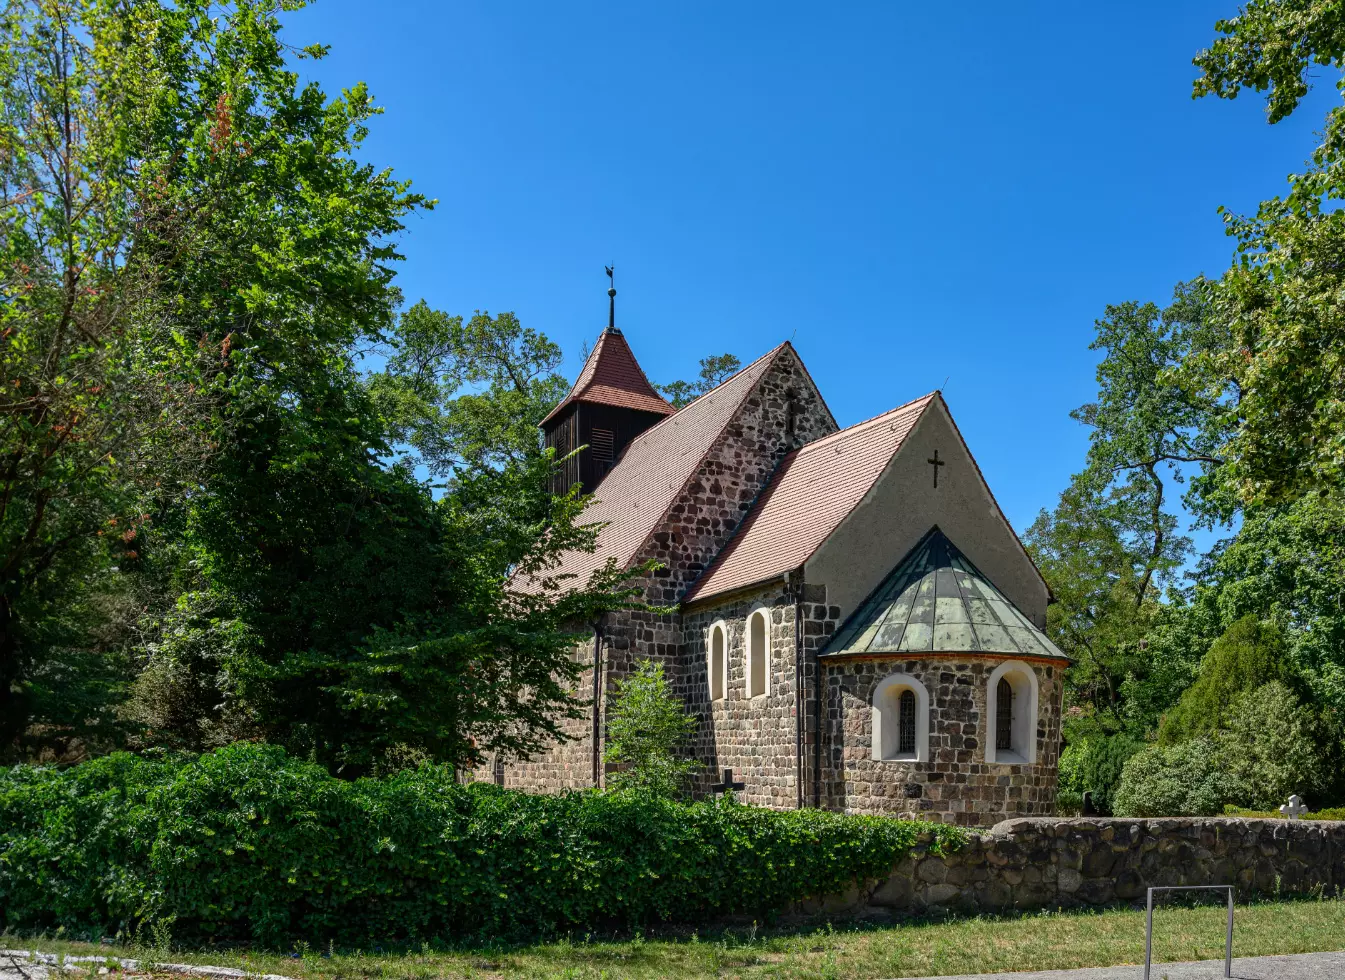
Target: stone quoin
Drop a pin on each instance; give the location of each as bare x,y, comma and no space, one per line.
847,613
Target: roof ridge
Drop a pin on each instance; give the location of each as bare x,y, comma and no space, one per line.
664,421
858,426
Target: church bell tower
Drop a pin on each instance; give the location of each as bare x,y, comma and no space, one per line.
610,403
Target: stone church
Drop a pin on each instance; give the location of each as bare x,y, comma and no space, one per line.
849,615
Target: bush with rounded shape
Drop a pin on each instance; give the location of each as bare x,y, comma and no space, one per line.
1094,765
1250,653
1273,748
1187,779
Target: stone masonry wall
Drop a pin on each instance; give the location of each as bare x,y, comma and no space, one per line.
734,471
956,785
755,737
1079,862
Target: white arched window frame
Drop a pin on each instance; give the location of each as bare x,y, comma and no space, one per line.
758,666
717,660
1022,681
887,719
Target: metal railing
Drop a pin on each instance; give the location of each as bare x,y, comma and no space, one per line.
1149,923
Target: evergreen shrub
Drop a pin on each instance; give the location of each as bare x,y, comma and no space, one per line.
248,844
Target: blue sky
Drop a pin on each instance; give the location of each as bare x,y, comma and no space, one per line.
911,193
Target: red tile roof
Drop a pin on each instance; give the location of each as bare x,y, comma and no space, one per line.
654,469
611,376
811,493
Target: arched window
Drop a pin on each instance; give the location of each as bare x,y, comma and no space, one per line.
717,665
1003,715
1011,715
900,720
758,654
906,722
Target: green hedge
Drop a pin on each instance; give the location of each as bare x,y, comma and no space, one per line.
248,844
1330,813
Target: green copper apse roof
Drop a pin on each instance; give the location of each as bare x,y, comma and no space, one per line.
936,601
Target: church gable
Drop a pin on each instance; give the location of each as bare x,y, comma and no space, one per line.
905,503
814,489
682,486
782,411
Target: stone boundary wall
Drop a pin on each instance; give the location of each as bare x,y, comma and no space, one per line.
1079,862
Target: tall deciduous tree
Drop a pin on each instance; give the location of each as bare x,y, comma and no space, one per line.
1283,355
100,390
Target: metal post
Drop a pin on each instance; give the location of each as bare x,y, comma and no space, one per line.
1149,923
1148,933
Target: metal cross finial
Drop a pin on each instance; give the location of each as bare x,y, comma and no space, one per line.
936,463
727,784
611,297
1295,808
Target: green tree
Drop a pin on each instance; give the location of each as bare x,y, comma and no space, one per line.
467,396
1286,565
1281,362
645,728
714,370
1186,779
250,257
1251,653
1274,747
1112,542
100,390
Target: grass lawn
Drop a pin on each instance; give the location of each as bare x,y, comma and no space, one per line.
1035,941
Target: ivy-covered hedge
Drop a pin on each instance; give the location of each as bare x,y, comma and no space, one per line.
248,844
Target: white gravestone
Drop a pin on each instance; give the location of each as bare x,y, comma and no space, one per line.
1294,809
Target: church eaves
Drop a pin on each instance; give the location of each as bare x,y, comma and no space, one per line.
937,601
612,376
814,489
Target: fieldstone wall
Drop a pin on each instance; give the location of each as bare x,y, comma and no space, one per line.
755,737
1074,862
956,785
784,411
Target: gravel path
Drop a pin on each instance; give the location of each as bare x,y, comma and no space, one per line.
19,964
1301,966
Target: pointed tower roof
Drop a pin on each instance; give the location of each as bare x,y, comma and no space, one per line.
936,601
611,376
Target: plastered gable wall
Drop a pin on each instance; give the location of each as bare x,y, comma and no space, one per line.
904,504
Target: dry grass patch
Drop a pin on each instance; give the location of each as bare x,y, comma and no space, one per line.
1035,941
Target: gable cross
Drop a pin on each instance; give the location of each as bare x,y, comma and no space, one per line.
936,463
1294,808
727,784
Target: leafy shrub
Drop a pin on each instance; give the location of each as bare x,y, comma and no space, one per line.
1330,813
1094,765
246,843
646,727
1273,748
1175,780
